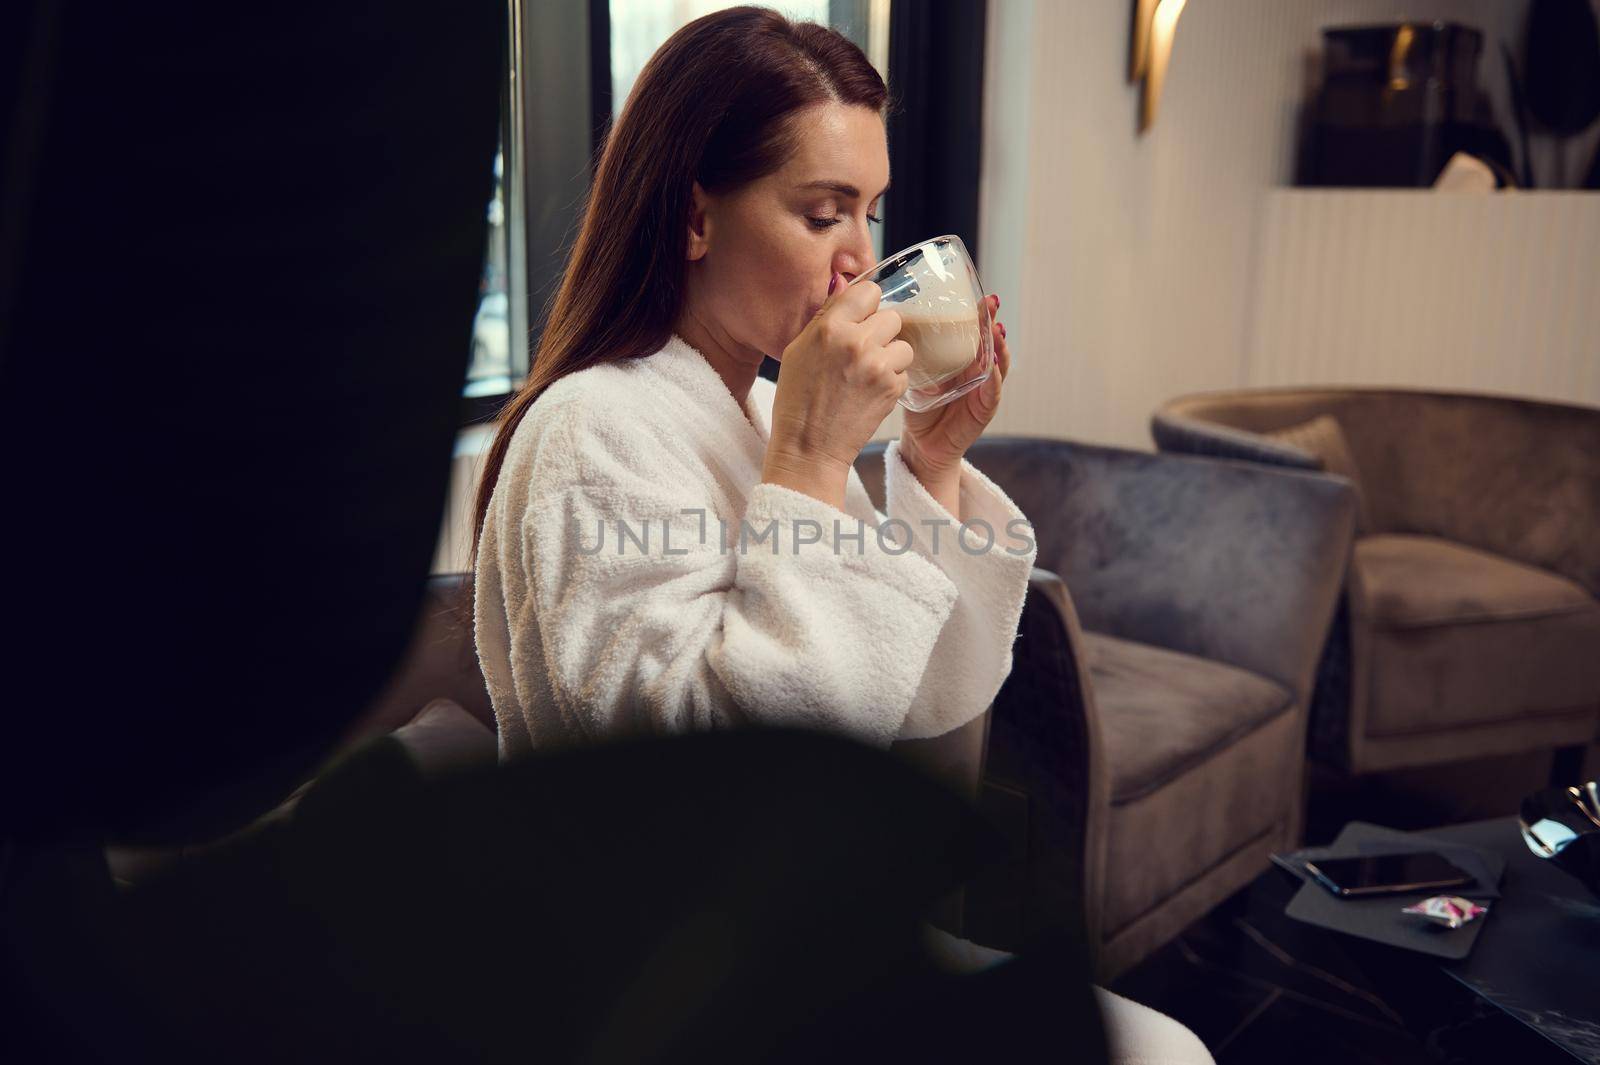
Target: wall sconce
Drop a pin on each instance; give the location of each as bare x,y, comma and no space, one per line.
1155,24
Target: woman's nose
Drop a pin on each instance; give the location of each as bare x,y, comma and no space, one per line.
856,261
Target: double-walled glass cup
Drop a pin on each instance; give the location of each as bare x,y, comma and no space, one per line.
944,317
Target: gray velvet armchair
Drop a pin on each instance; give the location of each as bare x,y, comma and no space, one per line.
1471,620
1145,756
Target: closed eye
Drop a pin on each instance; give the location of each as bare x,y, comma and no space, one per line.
829,223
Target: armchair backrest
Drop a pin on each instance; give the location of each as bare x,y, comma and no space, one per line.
1225,560
1516,477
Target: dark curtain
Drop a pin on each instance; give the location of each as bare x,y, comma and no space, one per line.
936,55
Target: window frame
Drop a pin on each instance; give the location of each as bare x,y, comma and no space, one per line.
537,237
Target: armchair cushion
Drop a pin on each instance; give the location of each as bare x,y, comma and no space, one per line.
1213,826
1411,581
1463,637
1324,440
1165,713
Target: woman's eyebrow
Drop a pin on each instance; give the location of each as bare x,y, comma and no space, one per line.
841,187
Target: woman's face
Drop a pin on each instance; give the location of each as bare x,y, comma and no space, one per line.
764,254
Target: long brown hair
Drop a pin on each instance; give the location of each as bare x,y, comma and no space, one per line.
712,105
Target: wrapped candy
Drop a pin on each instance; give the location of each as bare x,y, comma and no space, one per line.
1448,910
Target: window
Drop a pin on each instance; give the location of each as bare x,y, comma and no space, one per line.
639,27
489,372
499,362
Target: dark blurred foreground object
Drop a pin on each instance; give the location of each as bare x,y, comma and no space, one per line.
1562,824
1396,102
725,897
241,258
238,271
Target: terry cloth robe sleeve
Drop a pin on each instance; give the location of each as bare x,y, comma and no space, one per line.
654,616
988,552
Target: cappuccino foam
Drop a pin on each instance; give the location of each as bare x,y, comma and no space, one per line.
944,341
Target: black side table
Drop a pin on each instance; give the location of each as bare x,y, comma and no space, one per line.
1538,958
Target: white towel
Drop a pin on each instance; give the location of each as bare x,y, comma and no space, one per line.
880,639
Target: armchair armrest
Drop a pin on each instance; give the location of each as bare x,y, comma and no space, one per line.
1044,784
441,662
1194,436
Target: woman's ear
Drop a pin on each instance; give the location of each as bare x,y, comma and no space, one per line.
699,223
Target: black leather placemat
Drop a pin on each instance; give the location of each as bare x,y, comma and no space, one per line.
1468,859
1379,919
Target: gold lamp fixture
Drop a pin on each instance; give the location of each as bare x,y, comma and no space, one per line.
1155,24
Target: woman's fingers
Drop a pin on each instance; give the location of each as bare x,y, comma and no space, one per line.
1002,350
900,355
883,326
856,303
988,395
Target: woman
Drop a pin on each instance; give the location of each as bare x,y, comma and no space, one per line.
617,585
668,541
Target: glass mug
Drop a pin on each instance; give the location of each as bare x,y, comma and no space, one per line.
944,317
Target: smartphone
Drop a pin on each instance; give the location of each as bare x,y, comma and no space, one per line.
1387,874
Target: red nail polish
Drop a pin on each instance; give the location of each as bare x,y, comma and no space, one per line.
1002,330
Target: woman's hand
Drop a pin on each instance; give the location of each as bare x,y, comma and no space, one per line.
841,377
934,441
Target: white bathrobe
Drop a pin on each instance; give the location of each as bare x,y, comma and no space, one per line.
586,630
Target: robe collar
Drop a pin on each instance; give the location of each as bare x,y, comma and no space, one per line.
687,367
